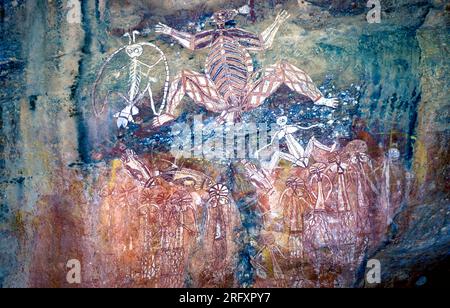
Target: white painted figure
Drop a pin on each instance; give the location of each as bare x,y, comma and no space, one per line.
139,80
298,155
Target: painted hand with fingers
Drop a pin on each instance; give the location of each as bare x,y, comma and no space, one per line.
282,17
163,29
328,102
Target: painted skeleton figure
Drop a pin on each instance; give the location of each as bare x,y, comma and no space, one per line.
297,155
148,214
139,80
228,87
318,180
338,170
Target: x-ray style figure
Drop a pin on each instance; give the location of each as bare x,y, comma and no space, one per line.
174,229
218,226
139,80
298,155
230,85
296,201
340,168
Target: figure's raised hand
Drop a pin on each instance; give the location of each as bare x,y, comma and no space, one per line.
329,102
282,17
162,28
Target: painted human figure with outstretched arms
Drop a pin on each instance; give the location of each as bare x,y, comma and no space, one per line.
297,155
228,86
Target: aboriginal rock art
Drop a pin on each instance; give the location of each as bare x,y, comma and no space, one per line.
133,61
297,155
171,223
174,228
230,85
220,219
267,260
218,236
297,202
160,214
331,210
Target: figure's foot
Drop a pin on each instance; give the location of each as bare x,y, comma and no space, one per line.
334,147
154,125
302,163
161,120
329,102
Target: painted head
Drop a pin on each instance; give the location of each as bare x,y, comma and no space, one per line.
134,51
223,16
282,121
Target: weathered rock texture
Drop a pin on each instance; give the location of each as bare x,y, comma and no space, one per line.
51,209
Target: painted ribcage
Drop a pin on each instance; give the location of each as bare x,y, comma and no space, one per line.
228,69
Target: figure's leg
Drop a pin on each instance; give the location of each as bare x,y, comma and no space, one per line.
278,74
276,158
314,144
294,147
198,87
304,155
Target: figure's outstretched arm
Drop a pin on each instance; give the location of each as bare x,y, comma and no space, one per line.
320,125
255,42
187,40
268,35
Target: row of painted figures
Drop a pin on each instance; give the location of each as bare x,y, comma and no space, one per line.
328,211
